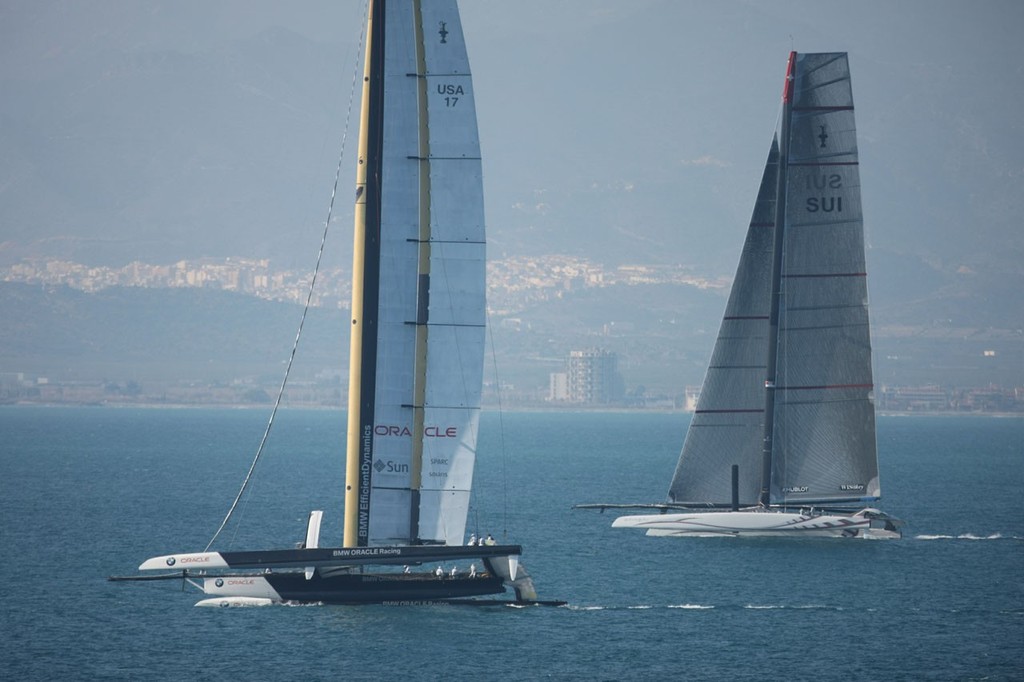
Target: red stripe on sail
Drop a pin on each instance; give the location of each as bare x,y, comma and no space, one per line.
836,108
824,387
825,163
727,411
826,274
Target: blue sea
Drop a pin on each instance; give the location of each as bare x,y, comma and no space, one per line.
89,492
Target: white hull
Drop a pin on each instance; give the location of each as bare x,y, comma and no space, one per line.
242,587
187,561
236,601
763,523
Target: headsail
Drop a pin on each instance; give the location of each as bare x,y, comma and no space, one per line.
728,423
415,442
788,391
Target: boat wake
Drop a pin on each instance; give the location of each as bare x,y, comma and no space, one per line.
709,607
792,607
968,536
641,607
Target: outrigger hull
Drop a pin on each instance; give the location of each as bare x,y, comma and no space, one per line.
867,523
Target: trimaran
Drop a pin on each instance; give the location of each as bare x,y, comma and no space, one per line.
782,441
417,350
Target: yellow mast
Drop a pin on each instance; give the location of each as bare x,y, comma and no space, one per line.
352,492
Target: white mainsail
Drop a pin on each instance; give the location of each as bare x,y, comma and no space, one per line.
422,295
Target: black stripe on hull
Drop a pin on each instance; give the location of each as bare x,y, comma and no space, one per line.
377,588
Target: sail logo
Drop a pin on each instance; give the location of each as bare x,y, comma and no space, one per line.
823,204
390,467
431,431
829,181
451,93
365,455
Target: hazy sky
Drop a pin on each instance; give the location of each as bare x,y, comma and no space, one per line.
636,128
623,131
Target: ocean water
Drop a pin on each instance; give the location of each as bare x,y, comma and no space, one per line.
89,492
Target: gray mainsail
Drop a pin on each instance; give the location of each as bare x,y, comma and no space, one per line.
824,446
788,393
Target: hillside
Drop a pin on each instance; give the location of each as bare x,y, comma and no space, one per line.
663,336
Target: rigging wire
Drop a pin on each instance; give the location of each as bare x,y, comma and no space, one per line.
501,430
305,309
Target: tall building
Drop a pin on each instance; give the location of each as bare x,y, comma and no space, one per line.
594,377
558,389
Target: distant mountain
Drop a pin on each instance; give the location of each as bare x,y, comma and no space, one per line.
662,334
119,150
161,334
632,132
625,132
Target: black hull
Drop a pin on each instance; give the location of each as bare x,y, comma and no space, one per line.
380,588
350,575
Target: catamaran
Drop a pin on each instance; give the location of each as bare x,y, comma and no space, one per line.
783,435
417,350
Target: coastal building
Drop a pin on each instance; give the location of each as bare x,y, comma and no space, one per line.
558,389
593,377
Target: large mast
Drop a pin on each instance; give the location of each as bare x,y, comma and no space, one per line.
365,286
776,284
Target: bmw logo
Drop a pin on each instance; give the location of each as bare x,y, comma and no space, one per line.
171,561
220,582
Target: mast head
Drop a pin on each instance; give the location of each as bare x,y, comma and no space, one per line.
787,90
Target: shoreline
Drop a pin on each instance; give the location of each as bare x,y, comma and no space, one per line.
604,409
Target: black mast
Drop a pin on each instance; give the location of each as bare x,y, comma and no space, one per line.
773,320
